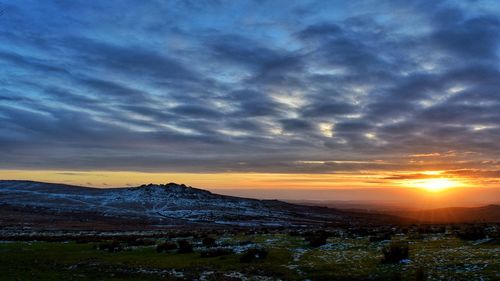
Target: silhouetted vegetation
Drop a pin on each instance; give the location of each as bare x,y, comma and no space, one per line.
112,246
184,246
380,237
254,254
165,247
136,242
208,242
352,253
395,252
471,233
420,274
216,252
317,240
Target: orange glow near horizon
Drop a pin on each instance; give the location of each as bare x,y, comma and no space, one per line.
417,188
435,184
201,180
429,180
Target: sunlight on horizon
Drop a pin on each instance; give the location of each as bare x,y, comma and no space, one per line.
435,185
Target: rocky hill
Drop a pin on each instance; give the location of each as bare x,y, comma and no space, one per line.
164,205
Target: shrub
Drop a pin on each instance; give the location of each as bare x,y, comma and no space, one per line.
208,242
395,252
181,234
244,243
415,236
86,239
359,231
184,247
254,254
471,233
165,247
216,252
112,246
317,240
420,274
140,242
380,237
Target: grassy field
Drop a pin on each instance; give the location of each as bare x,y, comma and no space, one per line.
435,257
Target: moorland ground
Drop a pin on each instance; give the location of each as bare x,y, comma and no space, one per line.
454,252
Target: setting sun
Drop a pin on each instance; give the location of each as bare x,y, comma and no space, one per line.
435,184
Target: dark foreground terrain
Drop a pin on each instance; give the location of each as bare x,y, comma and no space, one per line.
175,232
425,252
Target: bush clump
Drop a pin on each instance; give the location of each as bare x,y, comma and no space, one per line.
216,252
140,242
254,254
244,243
420,274
112,246
395,252
380,237
317,240
415,236
184,247
471,233
165,247
208,242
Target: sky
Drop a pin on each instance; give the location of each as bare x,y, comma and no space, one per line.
251,94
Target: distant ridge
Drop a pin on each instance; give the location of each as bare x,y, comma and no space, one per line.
156,205
489,213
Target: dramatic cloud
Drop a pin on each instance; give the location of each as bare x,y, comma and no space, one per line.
251,86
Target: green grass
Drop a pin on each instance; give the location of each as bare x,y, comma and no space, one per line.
289,259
